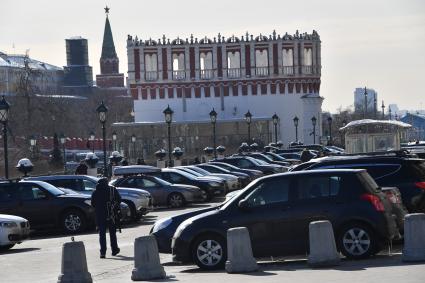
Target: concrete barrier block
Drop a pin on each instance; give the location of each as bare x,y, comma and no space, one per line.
74,264
414,237
147,265
323,250
239,251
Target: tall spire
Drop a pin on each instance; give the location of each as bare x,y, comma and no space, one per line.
108,46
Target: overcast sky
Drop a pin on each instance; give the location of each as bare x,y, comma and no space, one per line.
375,43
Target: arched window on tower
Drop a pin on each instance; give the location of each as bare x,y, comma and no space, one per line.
287,61
151,67
308,60
205,64
179,72
261,62
233,64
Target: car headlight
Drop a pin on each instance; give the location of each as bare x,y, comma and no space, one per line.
214,184
181,227
8,224
161,224
87,201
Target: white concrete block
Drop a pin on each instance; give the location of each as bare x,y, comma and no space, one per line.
414,237
239,251
323,250
74,264
146,260
160,163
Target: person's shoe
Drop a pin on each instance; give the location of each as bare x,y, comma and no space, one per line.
117,251
102,256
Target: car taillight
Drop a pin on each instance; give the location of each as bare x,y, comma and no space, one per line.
375,201
420,185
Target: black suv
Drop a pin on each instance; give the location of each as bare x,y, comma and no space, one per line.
45,206
388,170
277,211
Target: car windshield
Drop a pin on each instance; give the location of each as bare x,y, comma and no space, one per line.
162,182
258,161
263,157
275,157
368,182
225,165
236,197
185,174
200,170
190,171
216,169
52,189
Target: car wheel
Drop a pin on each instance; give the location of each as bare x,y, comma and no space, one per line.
209,252
357,241
176,200
133,213
6,247
73,221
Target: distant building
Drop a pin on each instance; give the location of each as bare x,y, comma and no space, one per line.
371,100
45,78
78,73
417,132
277,73
109,77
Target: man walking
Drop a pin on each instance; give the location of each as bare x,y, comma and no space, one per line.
106,200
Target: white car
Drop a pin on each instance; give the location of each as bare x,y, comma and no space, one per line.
13,230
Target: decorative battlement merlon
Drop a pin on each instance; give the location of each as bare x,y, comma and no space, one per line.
135,41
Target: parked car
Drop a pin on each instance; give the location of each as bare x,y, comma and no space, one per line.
253,174
388,169
231,181
211,187
139,202
13,230
244,178
46,206
291,155
247,162
277,157
277,210
266,159
163,192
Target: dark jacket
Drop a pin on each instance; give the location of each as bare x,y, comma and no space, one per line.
81,169
103,197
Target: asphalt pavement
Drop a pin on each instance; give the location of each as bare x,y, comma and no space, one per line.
39,260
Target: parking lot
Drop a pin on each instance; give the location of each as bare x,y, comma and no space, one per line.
39,260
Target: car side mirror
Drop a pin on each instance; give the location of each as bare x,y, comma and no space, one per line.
243,204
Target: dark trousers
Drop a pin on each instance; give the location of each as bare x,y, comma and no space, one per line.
112,235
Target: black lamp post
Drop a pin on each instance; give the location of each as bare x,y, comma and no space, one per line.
344,123
62,139
330,130
133,141
33,143
275,122
4,118
296,120
389,113
313,122
248,119
168,114
365,103
213,117
114,139
101,110
91,138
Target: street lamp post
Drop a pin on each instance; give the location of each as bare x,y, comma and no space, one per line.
168,113
4,118
248,119
133,141
62,139
314,121
33,143
91,138
296,120
275,122
330,130
114,139
389,113
365,103
101,110
383,110
213,117
344,123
